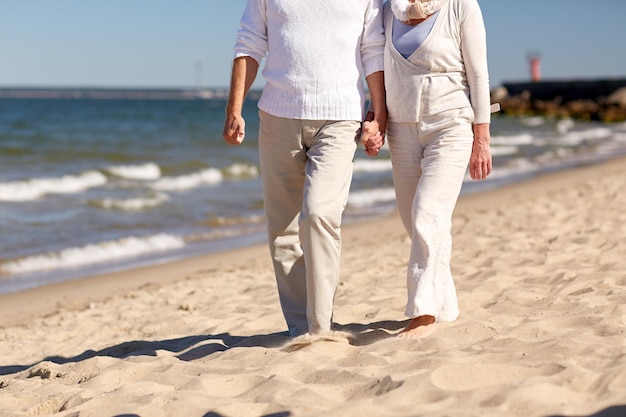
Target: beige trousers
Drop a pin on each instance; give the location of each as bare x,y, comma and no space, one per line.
429,160
306,171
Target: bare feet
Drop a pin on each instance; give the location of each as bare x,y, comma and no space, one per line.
418,328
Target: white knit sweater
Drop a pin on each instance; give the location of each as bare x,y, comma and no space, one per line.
447,71
317,54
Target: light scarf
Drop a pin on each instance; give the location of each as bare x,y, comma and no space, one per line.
419,9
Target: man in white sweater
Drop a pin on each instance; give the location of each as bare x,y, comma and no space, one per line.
317,54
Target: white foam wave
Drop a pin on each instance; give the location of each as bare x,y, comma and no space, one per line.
242,170
35,188
518,168
575,138
521,139
367,198
372,165
503,150
533,121
134,204
619,137
146,172
549,158
564,125
186,182
94,253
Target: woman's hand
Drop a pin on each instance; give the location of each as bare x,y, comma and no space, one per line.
480,161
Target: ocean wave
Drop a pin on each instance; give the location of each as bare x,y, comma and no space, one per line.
133,204
147,172
533,121
372,165
564,125
242,171
575,138
94,253
35,188
366,198
521,139
504,150
186,182
230,221
619,137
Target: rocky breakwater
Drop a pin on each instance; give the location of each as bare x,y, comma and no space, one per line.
603,99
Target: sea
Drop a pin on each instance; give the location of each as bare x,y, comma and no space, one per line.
90,186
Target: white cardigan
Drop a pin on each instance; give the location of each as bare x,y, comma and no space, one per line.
318,53
448,71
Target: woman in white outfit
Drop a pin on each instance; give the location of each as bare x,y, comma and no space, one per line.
438,106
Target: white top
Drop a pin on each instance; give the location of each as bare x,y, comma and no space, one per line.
317,54
447,71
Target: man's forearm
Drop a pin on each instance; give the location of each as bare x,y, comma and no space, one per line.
243,75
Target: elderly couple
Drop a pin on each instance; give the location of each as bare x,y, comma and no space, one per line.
431,103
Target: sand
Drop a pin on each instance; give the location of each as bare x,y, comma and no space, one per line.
540,269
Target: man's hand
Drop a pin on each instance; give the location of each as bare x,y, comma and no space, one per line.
234,129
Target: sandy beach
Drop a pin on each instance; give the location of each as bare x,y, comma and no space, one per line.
540,269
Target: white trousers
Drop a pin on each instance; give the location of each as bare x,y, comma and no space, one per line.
429,160
306,171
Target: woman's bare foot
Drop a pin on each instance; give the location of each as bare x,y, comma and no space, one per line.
418,327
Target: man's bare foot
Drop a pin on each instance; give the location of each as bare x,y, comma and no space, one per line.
418,327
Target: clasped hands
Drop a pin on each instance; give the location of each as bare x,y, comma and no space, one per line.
371,137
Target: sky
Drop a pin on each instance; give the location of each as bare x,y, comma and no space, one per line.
189,43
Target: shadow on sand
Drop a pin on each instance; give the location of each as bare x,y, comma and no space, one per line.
192,348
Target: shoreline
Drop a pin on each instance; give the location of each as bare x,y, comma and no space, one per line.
23,305
242,242
17,307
